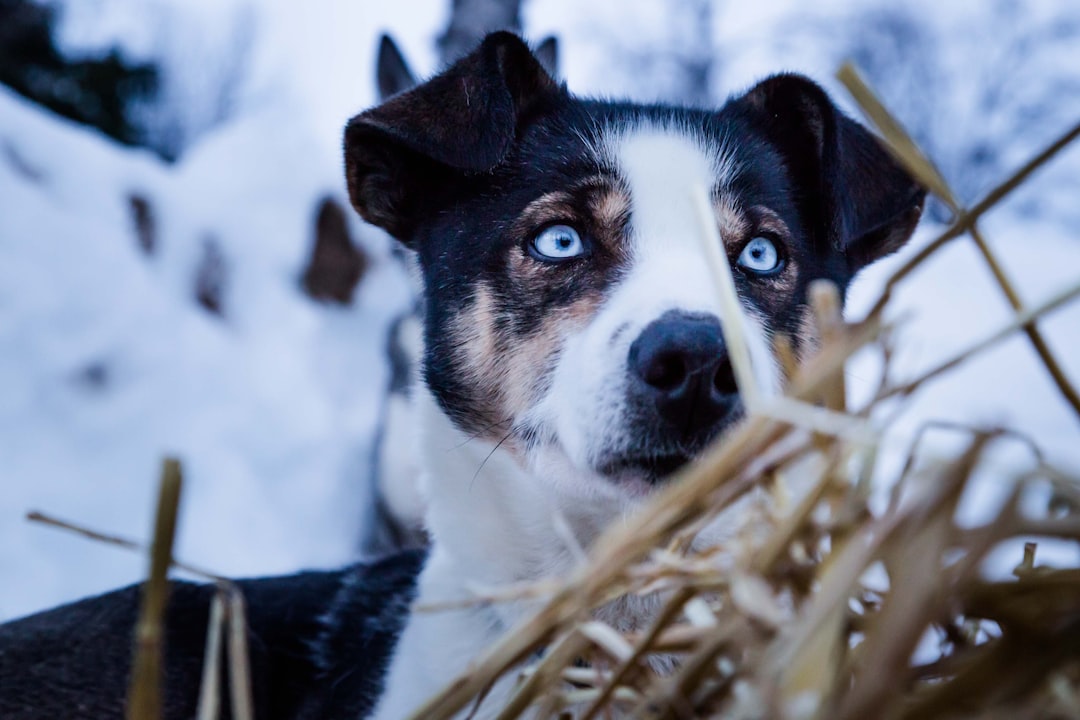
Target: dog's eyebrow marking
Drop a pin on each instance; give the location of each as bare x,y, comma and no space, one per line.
548,207
733,223
610,205
768,221
607,201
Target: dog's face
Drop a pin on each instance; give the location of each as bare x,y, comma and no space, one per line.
570,315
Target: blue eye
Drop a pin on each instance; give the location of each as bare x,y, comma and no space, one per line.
558,242
760,256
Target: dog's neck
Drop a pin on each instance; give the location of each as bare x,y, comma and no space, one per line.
504,523
495,525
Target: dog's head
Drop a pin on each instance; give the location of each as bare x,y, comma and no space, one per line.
569,313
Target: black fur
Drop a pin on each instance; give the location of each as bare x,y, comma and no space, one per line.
320,644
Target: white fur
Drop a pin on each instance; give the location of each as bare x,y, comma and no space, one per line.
398,465
495,516
493,523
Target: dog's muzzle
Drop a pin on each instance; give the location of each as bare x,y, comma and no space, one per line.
681,392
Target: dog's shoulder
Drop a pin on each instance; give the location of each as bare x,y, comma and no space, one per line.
307,633
358,634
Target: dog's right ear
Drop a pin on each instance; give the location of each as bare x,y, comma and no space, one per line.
463,121
851,191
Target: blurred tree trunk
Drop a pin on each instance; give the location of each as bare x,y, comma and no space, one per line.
470,20
699,57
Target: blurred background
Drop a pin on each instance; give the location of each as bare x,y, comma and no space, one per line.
180,271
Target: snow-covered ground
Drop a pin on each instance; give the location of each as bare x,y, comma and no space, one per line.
107,363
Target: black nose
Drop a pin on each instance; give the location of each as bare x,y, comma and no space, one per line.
680,364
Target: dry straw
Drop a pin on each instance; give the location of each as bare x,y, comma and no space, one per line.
815,608
227,616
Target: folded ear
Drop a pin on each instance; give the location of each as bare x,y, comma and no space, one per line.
851,189
462,121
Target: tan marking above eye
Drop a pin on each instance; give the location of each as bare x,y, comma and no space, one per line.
768,221
610,206
546,209
732,221
604,198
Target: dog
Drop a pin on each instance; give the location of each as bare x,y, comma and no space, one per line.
573,361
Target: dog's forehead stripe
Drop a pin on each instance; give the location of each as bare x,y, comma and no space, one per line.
661,166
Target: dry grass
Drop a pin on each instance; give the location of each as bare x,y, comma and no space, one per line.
227,616
815,608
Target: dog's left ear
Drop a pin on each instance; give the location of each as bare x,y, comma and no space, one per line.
392,73
851,190
399,155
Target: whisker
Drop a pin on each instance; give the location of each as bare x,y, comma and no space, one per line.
497,446
480,433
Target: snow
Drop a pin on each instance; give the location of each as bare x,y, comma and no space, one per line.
106,363
271,408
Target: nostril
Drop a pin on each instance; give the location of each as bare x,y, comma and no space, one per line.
667,371
675,359
724,378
